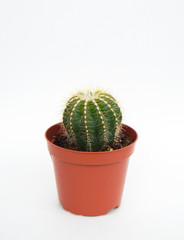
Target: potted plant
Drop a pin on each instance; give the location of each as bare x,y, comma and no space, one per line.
90,150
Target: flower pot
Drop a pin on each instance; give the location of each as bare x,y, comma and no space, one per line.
89,183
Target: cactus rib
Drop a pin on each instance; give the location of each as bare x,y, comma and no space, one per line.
102,120
86,127
110,107
70,119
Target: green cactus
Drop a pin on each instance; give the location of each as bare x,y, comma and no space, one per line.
92,120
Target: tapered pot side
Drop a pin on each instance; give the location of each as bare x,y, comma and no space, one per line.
90,183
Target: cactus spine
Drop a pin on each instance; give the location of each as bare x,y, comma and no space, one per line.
92,120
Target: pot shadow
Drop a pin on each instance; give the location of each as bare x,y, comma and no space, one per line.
110,212
113,210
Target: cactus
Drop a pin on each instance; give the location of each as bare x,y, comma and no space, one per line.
92,120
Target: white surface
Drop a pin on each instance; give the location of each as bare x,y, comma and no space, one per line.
48,49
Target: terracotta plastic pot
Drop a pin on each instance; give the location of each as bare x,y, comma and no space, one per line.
89,183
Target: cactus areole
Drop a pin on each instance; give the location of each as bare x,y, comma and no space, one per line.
92,120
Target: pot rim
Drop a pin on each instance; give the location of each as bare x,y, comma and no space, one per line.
85,152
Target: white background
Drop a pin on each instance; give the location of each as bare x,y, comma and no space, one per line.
50,49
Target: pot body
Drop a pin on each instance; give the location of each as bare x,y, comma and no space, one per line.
89,183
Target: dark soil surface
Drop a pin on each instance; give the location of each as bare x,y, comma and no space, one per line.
121,141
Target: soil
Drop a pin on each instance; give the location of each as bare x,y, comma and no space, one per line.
121,141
